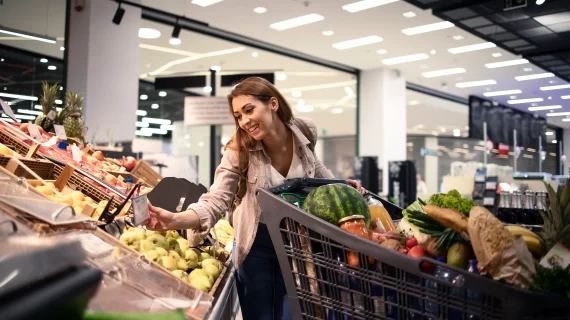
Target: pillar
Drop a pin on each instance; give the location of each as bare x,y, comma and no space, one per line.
431,166
566,150
103,65
382,119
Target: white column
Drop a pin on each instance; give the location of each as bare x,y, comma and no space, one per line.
103,64
566,150
431,166
193,141
383,117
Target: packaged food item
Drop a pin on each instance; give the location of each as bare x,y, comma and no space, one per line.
357,226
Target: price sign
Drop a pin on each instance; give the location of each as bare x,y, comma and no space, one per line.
34,132
60,131
76,153
51,142
140,210
7,110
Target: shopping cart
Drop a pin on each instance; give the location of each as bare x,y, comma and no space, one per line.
321,285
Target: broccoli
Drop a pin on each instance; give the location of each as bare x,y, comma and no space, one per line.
452,200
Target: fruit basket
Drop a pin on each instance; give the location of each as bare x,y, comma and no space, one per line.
143,171
321,284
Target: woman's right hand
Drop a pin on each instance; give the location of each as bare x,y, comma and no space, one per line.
160,219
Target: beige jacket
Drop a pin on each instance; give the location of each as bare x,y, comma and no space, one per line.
216,202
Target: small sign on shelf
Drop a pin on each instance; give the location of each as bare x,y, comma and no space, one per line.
60,131
140,210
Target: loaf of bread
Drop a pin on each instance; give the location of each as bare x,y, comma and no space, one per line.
488,235
448,217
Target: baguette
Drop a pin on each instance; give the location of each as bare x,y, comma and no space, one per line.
489,236
448,217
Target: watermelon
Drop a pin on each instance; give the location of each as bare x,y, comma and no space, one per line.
333,202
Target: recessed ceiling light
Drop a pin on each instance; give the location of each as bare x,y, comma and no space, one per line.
558,87
162,94
141,113
458,37
327,33
439,73
433,51
519,101
281,76
549,133
475,83
501,93
42,60
428,28
154,106
456,132
148,33
205,3
143,97
296,94
52,67
156,121
403,59
473,47
62,48
18,96
357,42
381,51
565,97
539,2
497,55
535,76
365,4
142,124
506,63
414,103
549,98
544,108
558,114
175,41
216,68
260,10
58,101
207,89
337,110
527,69
553,141
255,54
566,120
296,22
409,14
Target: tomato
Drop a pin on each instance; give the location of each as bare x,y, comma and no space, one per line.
417,252
404,251
412,242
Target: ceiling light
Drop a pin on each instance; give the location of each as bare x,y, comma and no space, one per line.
26,111
38,107
143,97
414,103
24,117
254,54
142,124
565,97
534,76
558,114
141,113
497,55
58,101
154,106
357,42
381,51
553,141
365,4
27,35
473,47
403,59
539,2
118,17
501,93
327,33
506,63
475,83
549,98
349,91
62,48
156,121
143,133
43,60
207,89
544,108
167,127
566,120
162,94
205,3
281,76
148,33
18,96
175,41
432,51
558,87
549,133
154,130
52,67
296,22
216,68
458,37
60,88
445,72
519,101
305,108
337,110
409,14
260,10
296,94
428,28
456,132
527,69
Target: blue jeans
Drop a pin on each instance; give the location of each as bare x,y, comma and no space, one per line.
260,285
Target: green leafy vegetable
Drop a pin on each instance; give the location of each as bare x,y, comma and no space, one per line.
555,280
452,200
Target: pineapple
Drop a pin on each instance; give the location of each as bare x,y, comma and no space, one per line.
48,105
73,123
556,217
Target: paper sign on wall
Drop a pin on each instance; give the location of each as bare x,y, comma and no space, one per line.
60,131
34,132
206,111
7,110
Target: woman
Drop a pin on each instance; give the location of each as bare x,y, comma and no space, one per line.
268,147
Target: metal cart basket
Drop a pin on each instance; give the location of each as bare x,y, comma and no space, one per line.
321,285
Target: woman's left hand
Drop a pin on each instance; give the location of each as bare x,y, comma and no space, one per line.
356,185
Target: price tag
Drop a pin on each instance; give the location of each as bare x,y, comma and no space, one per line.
60,131
140,210
50,143
7,110
34,132
76,153
51,115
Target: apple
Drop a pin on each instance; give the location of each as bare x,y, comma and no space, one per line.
111,179
24,128
129,163
411,242
100,175
98,155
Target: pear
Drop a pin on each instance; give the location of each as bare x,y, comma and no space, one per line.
161,251
201,283
152,232
182,265
172,234
191,257
183,243
152,255
128,238
212,270
158,240
180,274
219,265
205,256
146,245
136,245
201,273
174,255
141,234
168,262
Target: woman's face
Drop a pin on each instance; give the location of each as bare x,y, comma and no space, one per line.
253,116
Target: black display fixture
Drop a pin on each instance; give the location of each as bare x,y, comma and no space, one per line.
233,79
182,82
402,182
366,170
118,17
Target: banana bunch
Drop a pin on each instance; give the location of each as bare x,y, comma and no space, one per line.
223,232
533,242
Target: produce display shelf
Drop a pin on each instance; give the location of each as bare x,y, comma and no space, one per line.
19,146
143,171
42,168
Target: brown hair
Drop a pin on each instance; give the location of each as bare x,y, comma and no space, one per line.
263,91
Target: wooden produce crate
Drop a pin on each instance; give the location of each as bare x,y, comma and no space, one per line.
143,171
42,168
20,147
